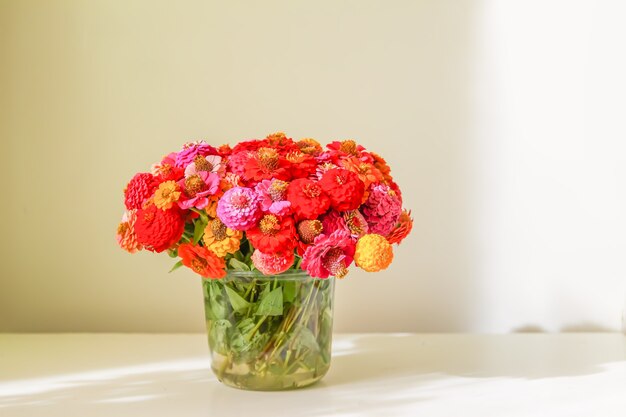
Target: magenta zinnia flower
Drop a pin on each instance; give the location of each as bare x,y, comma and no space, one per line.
198,187
329,255
239,208
382,209
191,150
272,194
272,263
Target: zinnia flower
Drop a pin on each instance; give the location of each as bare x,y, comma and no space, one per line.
272,263
355,222
202,261
329,255
344,188
307,198
211,163
309,146
198,187
402,228
157,229
302,165
308,230
221,239
373,253
166,170
191,150
273,234
237,162
366,171
139,190
266,164
166,195
382,209
272,195
125,236
239,208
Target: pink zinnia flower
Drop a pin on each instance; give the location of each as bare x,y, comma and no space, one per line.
272,194
239,208
272,263
237,161
211,163
333,221
351,221
191,150
125,236
197,189
329,255
382,209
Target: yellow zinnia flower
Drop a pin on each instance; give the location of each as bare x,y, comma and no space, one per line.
166,195
373,253
221,239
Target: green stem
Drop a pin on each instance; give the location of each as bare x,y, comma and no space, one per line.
254,330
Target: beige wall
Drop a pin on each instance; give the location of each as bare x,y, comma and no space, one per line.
94,91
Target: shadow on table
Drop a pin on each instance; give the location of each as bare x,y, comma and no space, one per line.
530,356
370,375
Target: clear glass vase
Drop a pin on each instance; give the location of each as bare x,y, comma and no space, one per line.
269,332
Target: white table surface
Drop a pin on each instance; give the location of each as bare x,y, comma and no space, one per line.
371,375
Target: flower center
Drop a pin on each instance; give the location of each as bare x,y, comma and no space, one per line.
218,229
239,200
295,157
348,146
277,190
202,164
333,262
308,230
311,190
269,225
268,158
354,223
122,228
363,168
148,216
198,264
193,185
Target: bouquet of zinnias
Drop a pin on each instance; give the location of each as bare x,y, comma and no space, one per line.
270,204
267,223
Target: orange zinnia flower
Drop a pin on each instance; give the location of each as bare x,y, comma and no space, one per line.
402,228
202,261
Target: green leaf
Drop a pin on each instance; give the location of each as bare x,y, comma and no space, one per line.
218,336
202,214
216,309
173,253
176,266
238,302
289,291
303,337
238,265
198,230
271,304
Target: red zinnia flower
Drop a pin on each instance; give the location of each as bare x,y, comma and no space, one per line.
273,234
301,164
307,198
157,229
266,164
202,260
344,188
139,189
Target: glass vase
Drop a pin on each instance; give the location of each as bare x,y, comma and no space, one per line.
269,332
